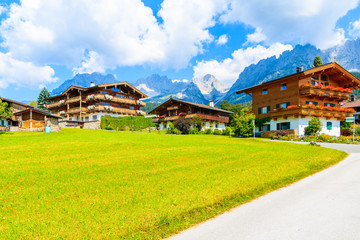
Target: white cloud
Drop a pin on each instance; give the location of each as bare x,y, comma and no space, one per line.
223,39
354,29
92,63
178,81
144,87
23,73
121,32
228,70
307,21
255,37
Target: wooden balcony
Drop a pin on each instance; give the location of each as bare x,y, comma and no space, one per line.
77,110
116,110
74,99
190,116
173,108
307,112
102,97
55,104
324,93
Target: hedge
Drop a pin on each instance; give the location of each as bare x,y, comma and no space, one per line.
124,123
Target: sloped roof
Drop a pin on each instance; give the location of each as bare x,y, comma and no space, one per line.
311,71
192,104
352,104
38,110
98,86
16,102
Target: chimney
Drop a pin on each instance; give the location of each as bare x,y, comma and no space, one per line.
92,84
211,104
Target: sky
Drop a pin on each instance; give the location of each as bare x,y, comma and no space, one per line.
43,43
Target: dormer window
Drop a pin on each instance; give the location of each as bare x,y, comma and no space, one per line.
283,86
264,91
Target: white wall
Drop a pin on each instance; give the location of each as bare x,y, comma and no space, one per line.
220,126
299,125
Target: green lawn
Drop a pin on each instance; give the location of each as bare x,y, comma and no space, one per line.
88,184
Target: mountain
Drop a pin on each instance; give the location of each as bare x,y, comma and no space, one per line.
156,85
210,87
272,68
84,80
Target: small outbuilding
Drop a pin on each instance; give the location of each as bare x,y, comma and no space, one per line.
35,119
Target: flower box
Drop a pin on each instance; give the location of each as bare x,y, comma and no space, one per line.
62,112
108,97
62,102
90,97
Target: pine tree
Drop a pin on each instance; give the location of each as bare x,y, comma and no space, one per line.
41,98
317,61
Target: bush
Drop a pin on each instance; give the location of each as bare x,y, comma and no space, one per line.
177,131
194,131
243,124
208,131
314,127
228,131
108,128
197,122
183,125
357,131
217,132
121,123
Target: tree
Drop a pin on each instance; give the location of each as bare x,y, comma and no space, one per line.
183,125
41,98
5,110
239,108
197,122
317,61
314,127
243,124
33,103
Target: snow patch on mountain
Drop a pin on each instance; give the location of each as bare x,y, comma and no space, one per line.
208,83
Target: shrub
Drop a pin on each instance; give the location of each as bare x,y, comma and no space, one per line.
314,127
208,131
121,123
177,131
197,122
194,131
243,124
217,132
108,128
228,131
357,131
183,125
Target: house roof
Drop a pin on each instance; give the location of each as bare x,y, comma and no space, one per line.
99,86
192,104
343,73
352,104
38,110
16,102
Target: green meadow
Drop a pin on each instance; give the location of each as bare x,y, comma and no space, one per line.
89,184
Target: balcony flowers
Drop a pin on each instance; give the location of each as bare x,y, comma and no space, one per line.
162,116
108,97
292,106
182,114
90,97
62,112
91,107
62,102
320,86
109,108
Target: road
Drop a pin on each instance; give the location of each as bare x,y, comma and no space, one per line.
325,205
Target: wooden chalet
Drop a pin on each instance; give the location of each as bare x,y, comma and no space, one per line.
292,100
173,109
84,104
26,117
355,104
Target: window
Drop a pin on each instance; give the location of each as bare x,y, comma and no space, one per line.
119,95
259,110
119,105
283,126
333,105
327,104
102,92
314,83
95,117
264,91
314,103
283,86
105,103
86,119
264,128
131,107
131,97
266,109
328,125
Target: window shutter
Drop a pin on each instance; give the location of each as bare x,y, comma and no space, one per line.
333,105
288,125
277,105
287,104
259,110
307,102
315,103
268,108
278,126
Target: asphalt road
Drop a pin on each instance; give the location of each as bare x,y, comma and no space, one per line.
323,206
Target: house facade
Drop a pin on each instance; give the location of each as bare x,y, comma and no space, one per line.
16,107
291,101
85,104
355,104
173,109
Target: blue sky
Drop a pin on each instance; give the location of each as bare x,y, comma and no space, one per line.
44,43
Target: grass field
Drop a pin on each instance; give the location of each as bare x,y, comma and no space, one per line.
88,184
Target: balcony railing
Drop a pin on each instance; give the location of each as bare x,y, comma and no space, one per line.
77,110
173,108
321,92
55,104
190,116
116,110
304,111
103,97
74,99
